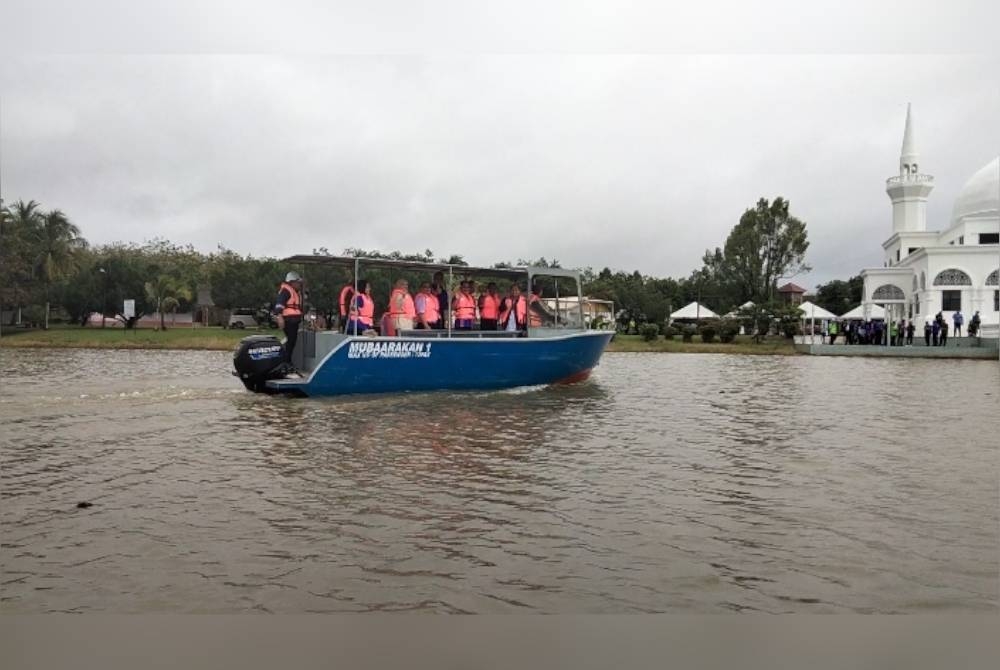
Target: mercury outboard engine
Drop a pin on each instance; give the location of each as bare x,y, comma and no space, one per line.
257,359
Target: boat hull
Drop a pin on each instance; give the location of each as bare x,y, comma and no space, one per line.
394,364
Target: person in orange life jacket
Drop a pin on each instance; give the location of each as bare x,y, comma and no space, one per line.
489,308
537,311
402,311
344,303
438,289
426,303
513,310
288,311
361,315
464,307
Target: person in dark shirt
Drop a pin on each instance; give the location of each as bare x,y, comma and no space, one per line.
438,288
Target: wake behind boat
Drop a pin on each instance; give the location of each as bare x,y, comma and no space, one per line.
553,345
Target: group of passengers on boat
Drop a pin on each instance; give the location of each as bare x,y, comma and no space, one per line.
430,309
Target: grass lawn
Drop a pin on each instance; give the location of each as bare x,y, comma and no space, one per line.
744,344
225,340
117,338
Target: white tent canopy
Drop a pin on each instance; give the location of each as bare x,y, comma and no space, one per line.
858,313
812,311
694,311
736,312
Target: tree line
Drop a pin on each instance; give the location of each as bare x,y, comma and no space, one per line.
47,266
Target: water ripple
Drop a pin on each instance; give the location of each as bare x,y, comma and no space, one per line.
667,483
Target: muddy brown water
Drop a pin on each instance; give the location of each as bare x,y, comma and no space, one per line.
666,483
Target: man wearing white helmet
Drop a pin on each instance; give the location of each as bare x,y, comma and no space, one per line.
288,310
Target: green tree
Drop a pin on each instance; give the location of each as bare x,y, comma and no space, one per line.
839,296
82,293
166,292
19,226
57,244
242,281
767,243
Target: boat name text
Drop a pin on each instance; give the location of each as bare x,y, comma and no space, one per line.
389,350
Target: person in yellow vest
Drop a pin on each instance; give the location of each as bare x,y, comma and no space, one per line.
288,311
402,311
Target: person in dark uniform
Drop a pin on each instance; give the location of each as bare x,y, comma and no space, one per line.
288,311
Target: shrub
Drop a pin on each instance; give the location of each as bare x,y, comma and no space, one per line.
707,331
790,328
649,331
687,333
669,332
728,330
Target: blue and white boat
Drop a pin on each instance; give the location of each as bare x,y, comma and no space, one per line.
563,350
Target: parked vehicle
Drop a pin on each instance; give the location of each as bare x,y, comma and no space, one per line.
243,318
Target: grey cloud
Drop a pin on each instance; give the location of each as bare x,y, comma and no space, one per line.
632,162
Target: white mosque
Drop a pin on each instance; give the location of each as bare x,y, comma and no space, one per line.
947,270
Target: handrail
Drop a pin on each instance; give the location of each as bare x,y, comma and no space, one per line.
910,179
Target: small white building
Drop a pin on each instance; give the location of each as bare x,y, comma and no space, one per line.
930,271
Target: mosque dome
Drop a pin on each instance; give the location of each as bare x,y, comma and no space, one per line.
981,194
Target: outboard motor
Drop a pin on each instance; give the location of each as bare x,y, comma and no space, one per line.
257,359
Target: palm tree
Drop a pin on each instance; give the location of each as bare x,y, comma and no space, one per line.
19,226
166,292
57,246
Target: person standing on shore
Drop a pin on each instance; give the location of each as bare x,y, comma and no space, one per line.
974,325
928,329
957,319
288,311
910,328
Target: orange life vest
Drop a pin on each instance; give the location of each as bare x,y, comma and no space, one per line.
533,319
409,310
344,292
293,307
432,311
521,308
490,307
465,307
366,313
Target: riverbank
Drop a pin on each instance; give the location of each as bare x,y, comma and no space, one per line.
743,344
74,337
220,339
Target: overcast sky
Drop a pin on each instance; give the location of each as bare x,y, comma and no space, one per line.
627,161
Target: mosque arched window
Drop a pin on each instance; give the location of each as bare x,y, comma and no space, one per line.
914,283
952,277
888,292
923,281
992,280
